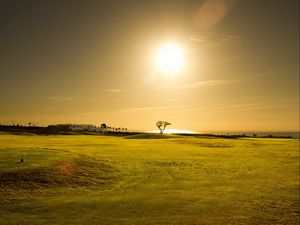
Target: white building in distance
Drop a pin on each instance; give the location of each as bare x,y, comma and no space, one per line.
83,127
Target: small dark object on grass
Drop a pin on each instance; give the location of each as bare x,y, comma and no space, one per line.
21,161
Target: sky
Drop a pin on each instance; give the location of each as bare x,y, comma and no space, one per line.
93,61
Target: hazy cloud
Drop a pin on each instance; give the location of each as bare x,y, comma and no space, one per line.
114,90
235,108
139,109
60,99
209,39
173,99
206,83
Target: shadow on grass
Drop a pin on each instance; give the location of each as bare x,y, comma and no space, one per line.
203,144
151,136
77,173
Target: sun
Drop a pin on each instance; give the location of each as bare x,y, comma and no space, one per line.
169,59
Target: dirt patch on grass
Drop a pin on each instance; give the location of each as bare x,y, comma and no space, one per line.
80,172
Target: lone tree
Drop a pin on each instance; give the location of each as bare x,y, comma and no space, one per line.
162,125
103,125
103,128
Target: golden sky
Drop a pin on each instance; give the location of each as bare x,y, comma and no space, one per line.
94,62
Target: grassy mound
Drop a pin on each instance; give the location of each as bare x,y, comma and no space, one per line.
151,136
80,172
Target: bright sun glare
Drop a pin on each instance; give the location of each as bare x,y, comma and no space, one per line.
169,59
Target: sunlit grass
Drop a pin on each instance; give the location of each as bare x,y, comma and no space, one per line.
81,179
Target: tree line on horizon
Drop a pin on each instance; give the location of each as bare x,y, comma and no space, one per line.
161,125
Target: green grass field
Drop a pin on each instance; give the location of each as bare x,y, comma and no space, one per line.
142,179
